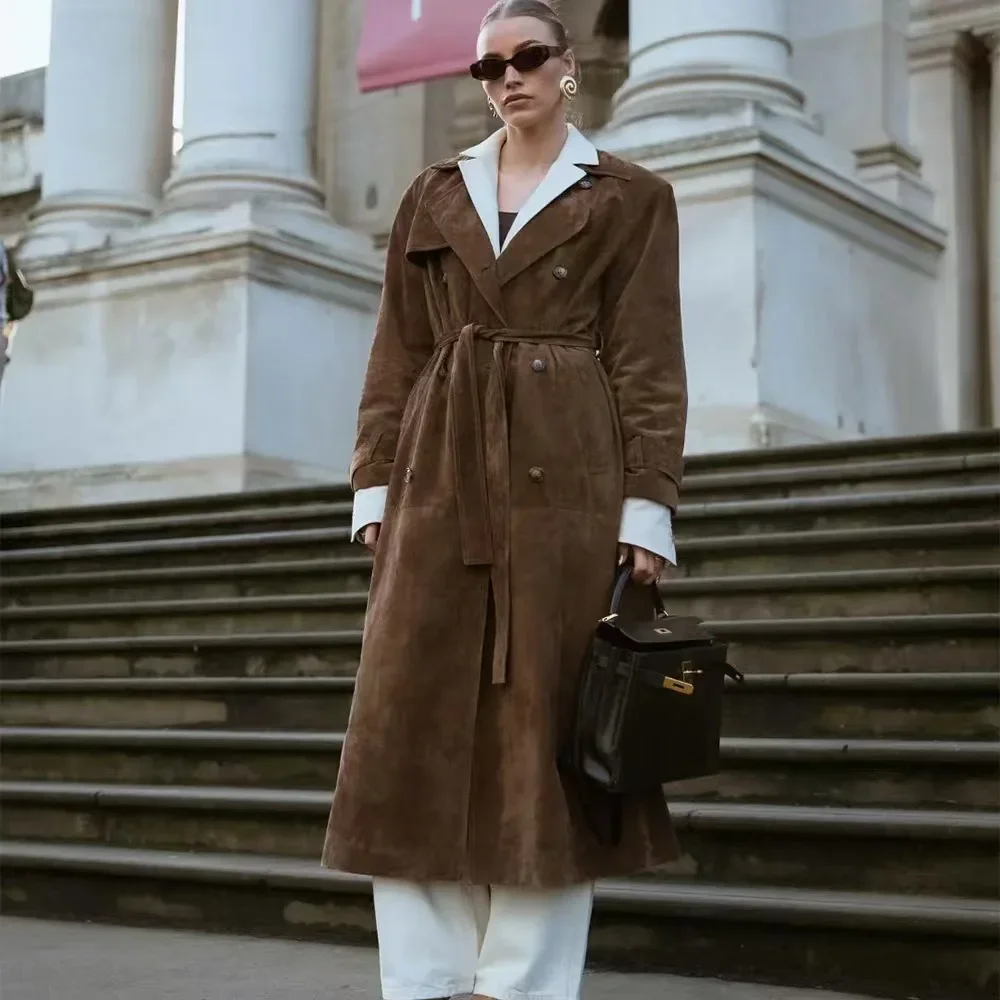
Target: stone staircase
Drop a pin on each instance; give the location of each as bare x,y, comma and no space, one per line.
176,678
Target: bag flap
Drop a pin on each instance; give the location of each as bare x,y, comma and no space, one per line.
665,632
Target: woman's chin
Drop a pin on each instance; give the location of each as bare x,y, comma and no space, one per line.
525,116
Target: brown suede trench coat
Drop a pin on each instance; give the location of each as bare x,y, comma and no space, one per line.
507,444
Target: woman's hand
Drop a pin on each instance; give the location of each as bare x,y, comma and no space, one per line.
646,566
370,537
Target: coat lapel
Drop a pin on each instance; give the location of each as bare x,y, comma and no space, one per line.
478,246
469,240
563,217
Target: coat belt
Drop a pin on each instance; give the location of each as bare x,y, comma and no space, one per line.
480,455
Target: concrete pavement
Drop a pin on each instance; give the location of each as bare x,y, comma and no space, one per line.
47,960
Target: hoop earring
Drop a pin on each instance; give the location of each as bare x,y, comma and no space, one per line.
569,87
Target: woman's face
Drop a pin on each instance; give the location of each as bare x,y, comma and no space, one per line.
524,99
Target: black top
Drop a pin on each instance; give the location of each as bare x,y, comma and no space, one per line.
506,221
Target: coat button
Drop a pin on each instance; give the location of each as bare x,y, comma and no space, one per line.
586,183
408,475
535,474
559,271
538,365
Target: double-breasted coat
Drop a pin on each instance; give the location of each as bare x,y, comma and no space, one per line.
515,398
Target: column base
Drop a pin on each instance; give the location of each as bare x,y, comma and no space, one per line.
692,89
217,187
807,297
201,352
80,220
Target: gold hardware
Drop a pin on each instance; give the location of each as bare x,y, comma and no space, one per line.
688,670
681,687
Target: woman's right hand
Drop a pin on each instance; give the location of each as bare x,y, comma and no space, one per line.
370,537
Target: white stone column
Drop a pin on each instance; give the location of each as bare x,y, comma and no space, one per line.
684,53
943,123
993,230
108,99
249,97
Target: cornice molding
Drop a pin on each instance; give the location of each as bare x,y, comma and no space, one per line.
933,17
945,48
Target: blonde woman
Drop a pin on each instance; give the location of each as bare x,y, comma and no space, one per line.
520,430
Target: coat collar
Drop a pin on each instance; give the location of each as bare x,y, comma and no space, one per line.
480,168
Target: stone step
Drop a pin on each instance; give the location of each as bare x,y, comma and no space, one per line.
694,521
891,945
913,852
905,590
939,706
891,773
816,478
868,593
952,498
917,643
887,591
961,543
226,579
840,511
837,454
928,545
876,463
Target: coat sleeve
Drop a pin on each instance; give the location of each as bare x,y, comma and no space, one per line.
642,348
402,346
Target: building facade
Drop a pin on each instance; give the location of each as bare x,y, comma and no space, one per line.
206,301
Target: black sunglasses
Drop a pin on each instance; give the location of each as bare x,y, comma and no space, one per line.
524,61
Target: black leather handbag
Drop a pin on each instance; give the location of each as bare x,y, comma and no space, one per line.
649,708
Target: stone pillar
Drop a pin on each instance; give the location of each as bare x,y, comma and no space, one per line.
799,325
726,50
249,97
108,100
943,122
993,229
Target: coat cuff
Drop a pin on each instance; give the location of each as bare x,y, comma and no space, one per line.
649,525
369,508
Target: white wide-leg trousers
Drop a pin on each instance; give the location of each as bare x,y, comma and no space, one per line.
447,939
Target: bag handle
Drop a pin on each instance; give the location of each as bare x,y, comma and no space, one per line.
624,575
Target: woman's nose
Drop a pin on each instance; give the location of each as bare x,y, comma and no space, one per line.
511,76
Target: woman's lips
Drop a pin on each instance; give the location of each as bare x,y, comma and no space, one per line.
516,99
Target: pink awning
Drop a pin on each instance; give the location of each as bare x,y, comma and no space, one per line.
409,41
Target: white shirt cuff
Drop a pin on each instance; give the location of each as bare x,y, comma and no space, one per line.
369,508
649,525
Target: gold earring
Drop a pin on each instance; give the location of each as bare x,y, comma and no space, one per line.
569,87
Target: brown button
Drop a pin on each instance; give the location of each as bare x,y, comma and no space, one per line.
538,365
408,475
559,271
535,474
586,183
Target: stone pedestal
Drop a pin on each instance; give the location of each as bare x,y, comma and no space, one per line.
221,345
108,96
807,296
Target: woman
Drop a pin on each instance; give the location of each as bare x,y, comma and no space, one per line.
501,465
